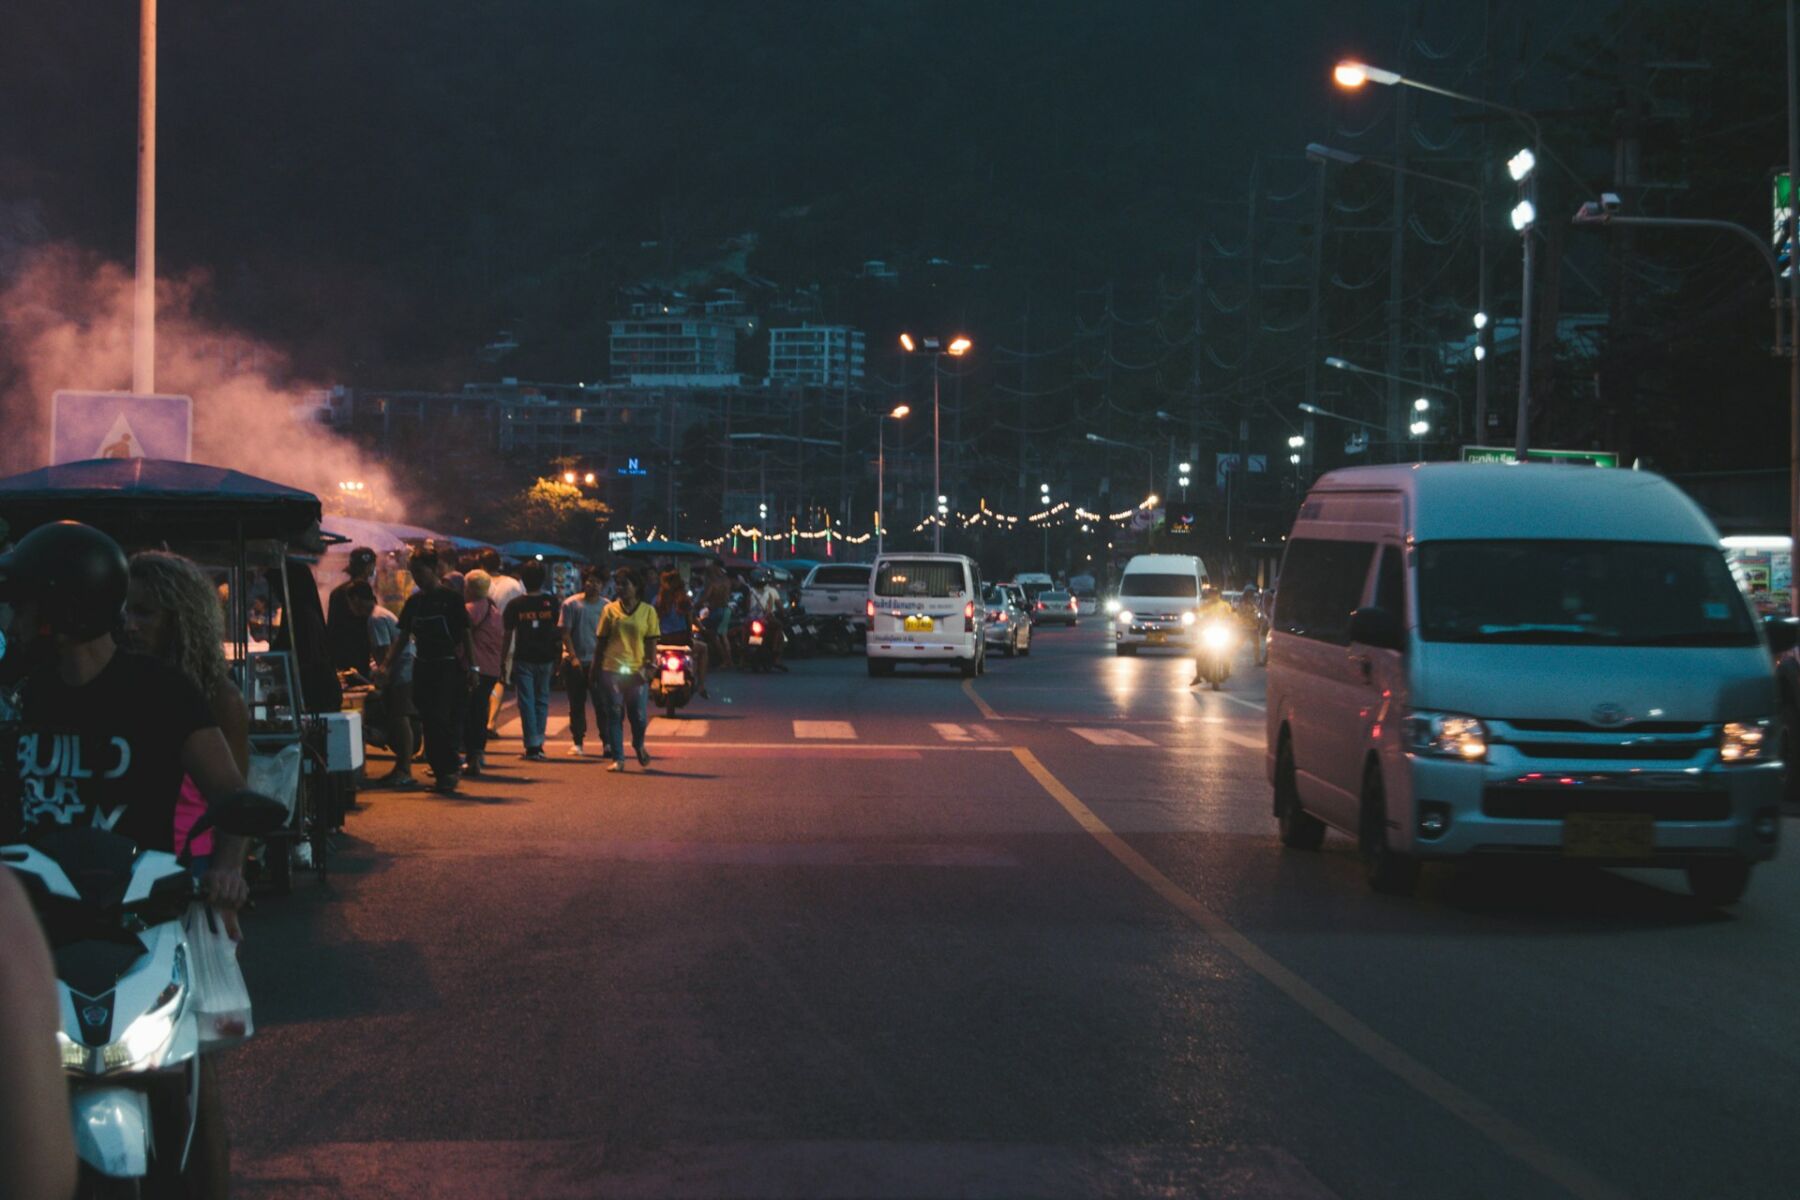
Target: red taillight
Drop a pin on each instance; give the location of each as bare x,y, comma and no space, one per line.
869,609
1073,607
1040,606
969,616
756,627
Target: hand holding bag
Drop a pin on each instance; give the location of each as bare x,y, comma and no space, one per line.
221,999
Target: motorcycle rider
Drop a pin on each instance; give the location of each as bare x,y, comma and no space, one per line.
766,598
1213,607
106,734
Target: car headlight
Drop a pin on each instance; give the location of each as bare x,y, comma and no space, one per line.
1124,616
1746,741
1187,618
145,1041
1448,735
1215,636
1112,606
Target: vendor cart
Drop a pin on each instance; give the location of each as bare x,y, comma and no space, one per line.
241,529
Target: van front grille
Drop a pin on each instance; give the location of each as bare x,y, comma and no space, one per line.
1553,804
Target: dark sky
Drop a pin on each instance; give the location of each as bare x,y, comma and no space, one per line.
385,180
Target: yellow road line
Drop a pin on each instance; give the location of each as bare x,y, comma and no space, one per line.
1504,1133
986,710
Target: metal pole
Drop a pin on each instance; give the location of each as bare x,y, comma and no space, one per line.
1481,301
1793,347
880,479
937,476
143,330
1522,435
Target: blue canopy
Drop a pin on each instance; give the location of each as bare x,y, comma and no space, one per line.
143,501
668,550
544,550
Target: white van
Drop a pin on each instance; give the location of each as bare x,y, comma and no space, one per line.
925,608
1544,661
1158,599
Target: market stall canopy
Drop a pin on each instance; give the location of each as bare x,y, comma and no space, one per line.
667,550
469,543
149,501
544,550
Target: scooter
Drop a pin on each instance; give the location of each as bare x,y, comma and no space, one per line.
673,684
141,1096
1217,640
762,644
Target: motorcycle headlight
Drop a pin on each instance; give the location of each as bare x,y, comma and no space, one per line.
1112,606
1746,742
144,1042
1216,636
1124,616
1447,735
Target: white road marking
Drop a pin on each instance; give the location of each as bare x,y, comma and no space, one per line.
1257,705
982,733
1244,740
840,730
1111,737
952,733
664,727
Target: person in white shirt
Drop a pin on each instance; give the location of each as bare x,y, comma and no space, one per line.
503,589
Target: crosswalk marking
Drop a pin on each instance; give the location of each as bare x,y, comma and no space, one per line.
1111,737
690,728
555,727
840,730
964,733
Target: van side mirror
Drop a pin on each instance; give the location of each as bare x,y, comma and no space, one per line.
1378,628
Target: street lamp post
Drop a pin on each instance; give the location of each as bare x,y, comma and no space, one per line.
1322,154
958,347
1351,75
143,329
881,474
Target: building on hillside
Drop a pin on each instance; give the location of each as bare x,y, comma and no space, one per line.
822,356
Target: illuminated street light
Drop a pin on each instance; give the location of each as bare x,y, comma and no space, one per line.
1295,441
1421,404
900,410
1420,428
1351,74
1187,468
906,343
1294,458
1481,320
959,346
568,477
1480,353
1521,164
1524,215
588,479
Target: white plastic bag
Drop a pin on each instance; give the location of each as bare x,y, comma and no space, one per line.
276,775
221,1000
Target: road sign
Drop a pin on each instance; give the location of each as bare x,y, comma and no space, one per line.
86,425
1575,458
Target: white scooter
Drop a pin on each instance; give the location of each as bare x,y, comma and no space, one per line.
130,1037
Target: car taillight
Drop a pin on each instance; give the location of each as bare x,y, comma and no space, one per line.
1040,606
969,616
869,609
1072,606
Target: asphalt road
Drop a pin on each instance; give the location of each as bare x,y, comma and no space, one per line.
1036,936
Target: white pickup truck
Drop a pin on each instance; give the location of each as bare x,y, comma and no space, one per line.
837,590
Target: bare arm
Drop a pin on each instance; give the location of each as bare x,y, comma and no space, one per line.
206,756
37,1153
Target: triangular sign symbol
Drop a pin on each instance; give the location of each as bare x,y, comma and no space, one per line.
121,441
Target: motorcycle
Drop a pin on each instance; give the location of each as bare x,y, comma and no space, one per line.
1217,640
762,643
147,1119
673,683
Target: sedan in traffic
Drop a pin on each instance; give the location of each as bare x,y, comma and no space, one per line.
1055,608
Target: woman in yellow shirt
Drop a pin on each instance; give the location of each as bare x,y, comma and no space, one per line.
626,640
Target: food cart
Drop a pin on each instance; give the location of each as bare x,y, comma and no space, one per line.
240,529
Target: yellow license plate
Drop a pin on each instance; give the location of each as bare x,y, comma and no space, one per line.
1609,835
1156,637
919,625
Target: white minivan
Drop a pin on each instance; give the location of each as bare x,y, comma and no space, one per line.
1539,661
925,608
1157,602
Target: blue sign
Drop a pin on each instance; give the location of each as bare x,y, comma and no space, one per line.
86,425
631,467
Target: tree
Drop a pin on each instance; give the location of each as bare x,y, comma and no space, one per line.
553,511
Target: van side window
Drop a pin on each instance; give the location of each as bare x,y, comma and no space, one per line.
1321,584
1390,582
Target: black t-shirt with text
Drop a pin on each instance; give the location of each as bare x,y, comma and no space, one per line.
534,618
105,753
437,621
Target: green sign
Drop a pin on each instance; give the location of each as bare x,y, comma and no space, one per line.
1575,458
1781,206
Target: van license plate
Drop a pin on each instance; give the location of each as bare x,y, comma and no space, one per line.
1156,637
756,639
1609,835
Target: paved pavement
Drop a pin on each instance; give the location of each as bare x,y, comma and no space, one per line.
1030,936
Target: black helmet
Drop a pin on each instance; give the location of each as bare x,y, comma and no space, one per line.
76,574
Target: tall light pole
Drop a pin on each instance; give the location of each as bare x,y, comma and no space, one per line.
958,347
881,474
1351,75
143,326
1324,154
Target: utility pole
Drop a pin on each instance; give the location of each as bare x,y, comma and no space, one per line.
1793,114
1315,320
1194,400
1397,246
143,329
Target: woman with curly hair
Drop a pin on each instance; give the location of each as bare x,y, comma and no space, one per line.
172,613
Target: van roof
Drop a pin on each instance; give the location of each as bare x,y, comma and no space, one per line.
924,555
1165,562
1531,500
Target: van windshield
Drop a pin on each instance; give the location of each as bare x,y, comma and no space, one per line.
849,576
1146,583
1580,592
935,580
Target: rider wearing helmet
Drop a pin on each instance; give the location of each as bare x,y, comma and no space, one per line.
106,735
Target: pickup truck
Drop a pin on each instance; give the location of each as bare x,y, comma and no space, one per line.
837,590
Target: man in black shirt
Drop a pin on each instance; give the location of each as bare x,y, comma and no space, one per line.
105,735
345,633
435,620
533,645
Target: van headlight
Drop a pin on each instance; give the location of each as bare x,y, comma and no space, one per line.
1112,605
1746,742
1187,618
1124,616
1447,735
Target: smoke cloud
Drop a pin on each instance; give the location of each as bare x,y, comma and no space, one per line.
66,323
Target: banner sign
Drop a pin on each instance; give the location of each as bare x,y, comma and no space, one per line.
86,425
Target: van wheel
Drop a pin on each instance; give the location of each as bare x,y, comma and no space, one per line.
880,668
1125,651
1717,884
1387,870
968,668
1300,830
